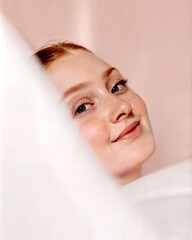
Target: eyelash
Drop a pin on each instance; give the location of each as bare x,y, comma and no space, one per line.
87,102
123,82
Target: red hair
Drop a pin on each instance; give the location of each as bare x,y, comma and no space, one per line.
49,53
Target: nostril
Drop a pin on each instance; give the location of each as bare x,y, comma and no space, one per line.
121,115
120,110
124,115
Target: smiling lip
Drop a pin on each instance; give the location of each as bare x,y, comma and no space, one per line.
132,131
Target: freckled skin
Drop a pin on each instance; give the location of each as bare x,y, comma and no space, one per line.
104,114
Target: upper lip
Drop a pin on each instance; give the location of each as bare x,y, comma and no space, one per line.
127,130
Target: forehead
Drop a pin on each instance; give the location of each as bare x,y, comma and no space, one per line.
79,66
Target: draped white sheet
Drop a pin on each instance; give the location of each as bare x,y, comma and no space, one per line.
52,187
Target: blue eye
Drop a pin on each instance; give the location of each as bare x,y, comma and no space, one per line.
120,86
83,108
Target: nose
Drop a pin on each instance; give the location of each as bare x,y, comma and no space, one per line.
118,109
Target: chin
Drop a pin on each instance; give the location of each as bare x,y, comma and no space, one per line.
129,168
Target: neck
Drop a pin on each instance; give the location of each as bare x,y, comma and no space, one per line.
130,176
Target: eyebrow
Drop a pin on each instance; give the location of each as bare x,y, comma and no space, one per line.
75,88
107,72
84,85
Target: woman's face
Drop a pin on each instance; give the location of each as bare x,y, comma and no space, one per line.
111,117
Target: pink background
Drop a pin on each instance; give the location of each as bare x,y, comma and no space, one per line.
148,40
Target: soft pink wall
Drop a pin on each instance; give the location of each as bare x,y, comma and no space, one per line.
149,41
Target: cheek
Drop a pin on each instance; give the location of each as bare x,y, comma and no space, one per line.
140,108
94,131
138,105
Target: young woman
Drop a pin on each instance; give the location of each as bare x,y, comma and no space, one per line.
111,117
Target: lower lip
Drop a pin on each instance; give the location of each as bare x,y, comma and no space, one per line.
133,134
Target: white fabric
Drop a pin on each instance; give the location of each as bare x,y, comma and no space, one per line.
165,200
52,187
